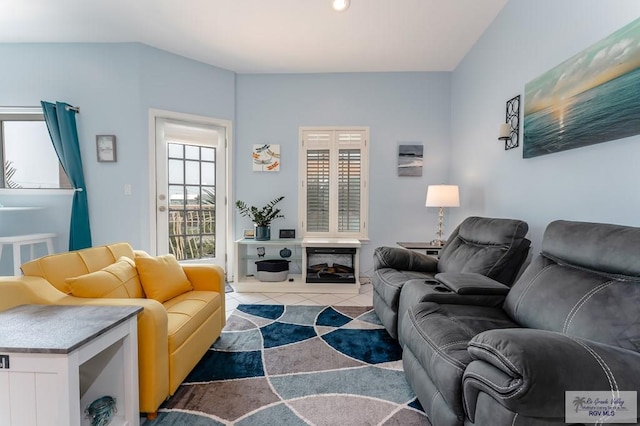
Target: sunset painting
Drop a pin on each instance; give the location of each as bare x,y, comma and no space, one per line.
590,98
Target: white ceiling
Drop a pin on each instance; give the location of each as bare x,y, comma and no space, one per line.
267,36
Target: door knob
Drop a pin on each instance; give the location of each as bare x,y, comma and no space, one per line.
162,208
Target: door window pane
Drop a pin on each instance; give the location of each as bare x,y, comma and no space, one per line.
192,172
176,195
176,150
208,173
176,171
192,209
192,152
208,154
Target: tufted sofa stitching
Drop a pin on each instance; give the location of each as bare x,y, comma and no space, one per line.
497,355
445,357
483,382
515,385
529,285
446,346
607,370
584,299
508,247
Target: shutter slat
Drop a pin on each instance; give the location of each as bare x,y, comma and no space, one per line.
318,190
349,184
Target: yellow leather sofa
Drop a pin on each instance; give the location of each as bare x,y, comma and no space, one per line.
172,336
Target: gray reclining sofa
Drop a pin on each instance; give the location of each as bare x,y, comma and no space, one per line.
570,323
493,247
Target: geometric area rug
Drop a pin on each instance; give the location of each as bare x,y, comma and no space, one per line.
297,365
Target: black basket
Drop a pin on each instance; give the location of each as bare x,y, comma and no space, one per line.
273,265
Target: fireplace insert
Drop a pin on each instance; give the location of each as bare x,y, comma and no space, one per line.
330,265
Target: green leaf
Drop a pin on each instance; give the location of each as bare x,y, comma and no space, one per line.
263,216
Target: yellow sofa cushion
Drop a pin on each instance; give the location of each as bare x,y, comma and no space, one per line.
187,312
56,268
162,277
119,280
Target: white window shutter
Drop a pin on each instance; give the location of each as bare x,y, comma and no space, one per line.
334,174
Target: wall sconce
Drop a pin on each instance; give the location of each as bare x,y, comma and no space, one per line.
510,131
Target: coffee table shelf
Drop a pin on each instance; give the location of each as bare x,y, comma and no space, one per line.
56,360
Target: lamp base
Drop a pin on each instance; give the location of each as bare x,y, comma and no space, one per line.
439,241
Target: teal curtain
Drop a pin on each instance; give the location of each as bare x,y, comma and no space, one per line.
61,122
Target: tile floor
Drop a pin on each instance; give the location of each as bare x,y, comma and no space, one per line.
365,298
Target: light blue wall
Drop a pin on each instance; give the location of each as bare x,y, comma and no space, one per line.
114,85
595,183
397,107
455,115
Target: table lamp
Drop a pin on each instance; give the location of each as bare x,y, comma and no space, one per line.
442,196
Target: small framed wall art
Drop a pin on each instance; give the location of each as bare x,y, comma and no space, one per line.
106,148
410,160
266,158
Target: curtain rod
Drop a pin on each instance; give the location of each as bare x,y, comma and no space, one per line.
72,108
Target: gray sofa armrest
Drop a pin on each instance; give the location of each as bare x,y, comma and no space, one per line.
471,284
431,290
528,371
403,260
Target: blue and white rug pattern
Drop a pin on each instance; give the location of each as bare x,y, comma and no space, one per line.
297,365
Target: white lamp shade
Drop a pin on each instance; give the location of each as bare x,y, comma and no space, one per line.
505,131
443,196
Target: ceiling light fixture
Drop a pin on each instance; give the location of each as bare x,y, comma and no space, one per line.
340,5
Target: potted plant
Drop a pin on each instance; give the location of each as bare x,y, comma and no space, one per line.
261,218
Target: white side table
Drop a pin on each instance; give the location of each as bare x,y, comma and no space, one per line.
56,360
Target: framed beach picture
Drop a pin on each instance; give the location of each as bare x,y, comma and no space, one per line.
410,160
106,148
590,98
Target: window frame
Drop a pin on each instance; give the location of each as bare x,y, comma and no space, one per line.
24,114
334,146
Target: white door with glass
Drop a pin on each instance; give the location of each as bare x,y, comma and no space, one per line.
191,190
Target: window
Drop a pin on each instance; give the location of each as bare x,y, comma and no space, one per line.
334,175
27,156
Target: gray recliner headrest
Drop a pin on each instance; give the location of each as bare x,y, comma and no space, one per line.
607,248
484,230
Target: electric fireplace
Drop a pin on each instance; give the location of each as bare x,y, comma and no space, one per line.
334,265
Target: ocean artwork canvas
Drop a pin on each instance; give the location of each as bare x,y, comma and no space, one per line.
410,160
590,98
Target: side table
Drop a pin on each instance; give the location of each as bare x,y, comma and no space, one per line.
428,248
55,360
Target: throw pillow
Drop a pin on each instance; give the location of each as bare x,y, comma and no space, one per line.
118,280
162,277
